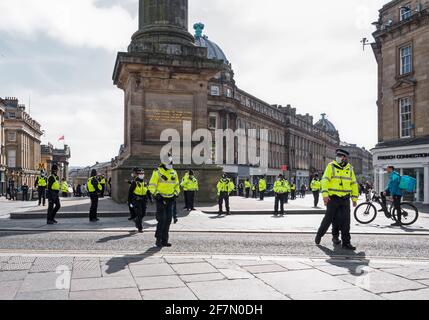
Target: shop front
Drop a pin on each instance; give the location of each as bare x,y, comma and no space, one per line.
409,161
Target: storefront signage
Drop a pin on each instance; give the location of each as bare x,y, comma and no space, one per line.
405,156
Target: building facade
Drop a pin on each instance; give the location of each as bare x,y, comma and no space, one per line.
60,157
22,144
401,49
2,149
361,159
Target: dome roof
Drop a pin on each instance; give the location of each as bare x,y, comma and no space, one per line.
213,50
326,125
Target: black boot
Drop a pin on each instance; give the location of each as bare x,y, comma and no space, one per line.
348,246
336,241
318,240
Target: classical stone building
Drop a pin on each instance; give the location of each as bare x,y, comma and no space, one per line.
2,149
22,146
60,157
401,49
361,159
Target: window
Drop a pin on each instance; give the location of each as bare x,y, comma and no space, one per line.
11,158
11,136
405,117
215,91
405,60
213,120
405,12
228,92
11,115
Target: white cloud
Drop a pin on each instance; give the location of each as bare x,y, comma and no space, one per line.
75,23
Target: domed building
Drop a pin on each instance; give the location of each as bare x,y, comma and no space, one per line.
326,125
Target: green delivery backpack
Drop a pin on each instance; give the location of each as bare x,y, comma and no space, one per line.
408,184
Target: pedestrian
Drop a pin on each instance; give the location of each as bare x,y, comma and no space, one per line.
84,190
393,190
103,185
247,187
11,189
94,189
190,187
140,197
262,188
254,191
303,190
224,189
316,187
287,191
41,183
64,188
165,188
134,175
79,191
293,190
338,187
53,195
240,189
110,186
280,188
24,189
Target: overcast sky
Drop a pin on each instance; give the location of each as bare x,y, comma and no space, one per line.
304,53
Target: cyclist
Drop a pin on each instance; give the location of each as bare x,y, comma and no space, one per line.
394,191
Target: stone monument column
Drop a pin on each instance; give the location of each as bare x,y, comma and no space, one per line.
164,76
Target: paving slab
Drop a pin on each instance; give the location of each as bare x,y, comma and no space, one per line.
425,282
202,277
43,281
256,262
50,264
160,282
174,260
8,289
168,294
15,266
382,282
338,295
193,268
111,294
85,274
138,261
422,294
152,270
410,272
265,268
107,271
236,273
293,265
243,289
102,283
344,269
297,282
12,275
222,264
43,295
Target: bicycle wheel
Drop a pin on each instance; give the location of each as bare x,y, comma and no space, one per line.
365,213
409,214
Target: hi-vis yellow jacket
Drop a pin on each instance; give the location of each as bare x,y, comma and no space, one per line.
262,185
189,184
315,185
281,186
164,183
340,181
225,186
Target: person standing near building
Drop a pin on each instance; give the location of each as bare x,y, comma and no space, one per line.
247,187
190,187
254,191
94,188
339,185
280,189
130,195
24,189
103,186
140,197
394,191
293,190
316,186
41,184
64,188
53,194
287,191
165,188
262,188
224,189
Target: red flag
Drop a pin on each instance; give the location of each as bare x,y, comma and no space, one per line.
61,138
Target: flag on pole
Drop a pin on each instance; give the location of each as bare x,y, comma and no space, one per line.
61,138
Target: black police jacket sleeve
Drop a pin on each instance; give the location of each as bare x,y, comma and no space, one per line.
36,183
131,191
94,183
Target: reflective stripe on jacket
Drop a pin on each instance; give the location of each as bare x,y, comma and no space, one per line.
340,181
164,183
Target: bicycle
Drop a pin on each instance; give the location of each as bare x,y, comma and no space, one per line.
366,212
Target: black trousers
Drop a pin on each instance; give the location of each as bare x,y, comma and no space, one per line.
397,205
164,216
189,199
54,205
337,214
261,195
293,195
254,194
94,205
103,189
25,196
64,194
41,191
224,196
132,211
140,205
316,196
280,198
287,197
247,193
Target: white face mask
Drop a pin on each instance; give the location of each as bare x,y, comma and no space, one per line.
141,176
339,160
169,166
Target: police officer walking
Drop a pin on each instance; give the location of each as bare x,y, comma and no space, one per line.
339,185
316,186
280,189
293,190
131,194
103,186
247,187
165,187
94,188
262,188
190,187
140,196
41,184
53,193
224,188
64,188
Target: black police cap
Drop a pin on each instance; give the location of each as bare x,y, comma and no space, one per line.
342,152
